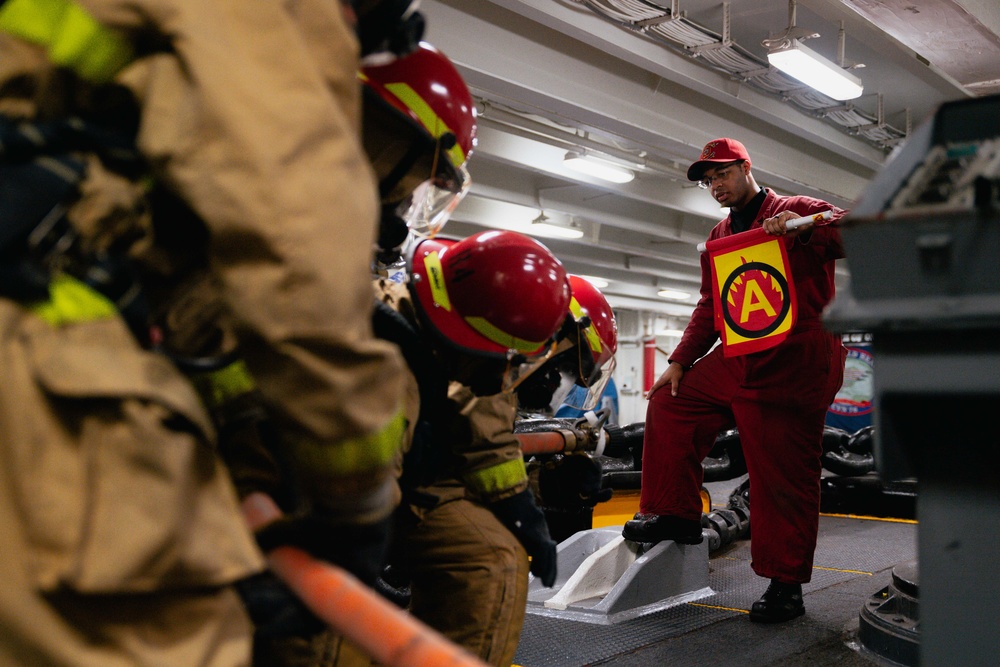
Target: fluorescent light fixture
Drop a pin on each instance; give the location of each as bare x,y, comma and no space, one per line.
670,332
673,294
599,283
541,226
598,168
553,231
815,71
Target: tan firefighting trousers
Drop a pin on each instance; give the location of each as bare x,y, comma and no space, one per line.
469,581
469,575
119,527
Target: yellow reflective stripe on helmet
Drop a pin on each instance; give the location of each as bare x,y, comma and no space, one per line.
495,479
427,116
72,301
218,386
353,455
72,37
500,337
435,272
590,333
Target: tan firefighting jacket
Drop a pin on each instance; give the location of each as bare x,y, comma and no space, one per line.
484,458
250,113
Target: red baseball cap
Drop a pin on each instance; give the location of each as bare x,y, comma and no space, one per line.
717,151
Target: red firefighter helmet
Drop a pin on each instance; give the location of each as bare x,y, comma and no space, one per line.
494,293
600,335
595,334
419,131
583,354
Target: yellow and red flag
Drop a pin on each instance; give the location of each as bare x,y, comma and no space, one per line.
755,305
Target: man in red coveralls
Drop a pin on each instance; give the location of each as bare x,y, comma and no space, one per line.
777,398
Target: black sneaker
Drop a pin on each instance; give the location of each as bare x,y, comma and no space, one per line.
657,528
781,602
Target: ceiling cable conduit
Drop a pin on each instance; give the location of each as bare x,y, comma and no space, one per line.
642,261
629,263
630,223
720,53
523,125
669,230
651,257
527,126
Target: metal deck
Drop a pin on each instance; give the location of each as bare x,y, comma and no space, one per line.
854,559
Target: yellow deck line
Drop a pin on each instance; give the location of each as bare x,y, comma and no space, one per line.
715,606
870,518
840,569
815,567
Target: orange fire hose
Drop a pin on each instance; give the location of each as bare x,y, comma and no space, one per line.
544,442
376,626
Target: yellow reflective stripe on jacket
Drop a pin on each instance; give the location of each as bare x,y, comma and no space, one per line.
493,480
364,453
218,386
72,301
433,122
71,36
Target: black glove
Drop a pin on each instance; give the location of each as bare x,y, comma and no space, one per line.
572,482
523,518
275,611
360,549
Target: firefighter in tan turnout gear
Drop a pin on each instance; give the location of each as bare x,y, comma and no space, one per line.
470,313
143,143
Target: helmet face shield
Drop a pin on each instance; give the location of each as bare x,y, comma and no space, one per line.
433,202
578,363
589,340
594,385
521,368
572,357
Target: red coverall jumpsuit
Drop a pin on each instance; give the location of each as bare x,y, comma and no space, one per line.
777,398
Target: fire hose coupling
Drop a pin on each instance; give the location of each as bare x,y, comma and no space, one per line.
576,440
596,422
586,434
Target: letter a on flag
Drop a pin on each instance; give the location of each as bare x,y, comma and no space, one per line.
755,305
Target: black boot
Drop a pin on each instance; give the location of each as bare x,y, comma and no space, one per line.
657,528
781,602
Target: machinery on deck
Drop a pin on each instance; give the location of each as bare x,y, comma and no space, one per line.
922,246
850,485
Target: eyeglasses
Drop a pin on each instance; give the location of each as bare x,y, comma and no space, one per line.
719,175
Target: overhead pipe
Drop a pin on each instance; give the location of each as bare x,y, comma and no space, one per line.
530,128
654,227
648,364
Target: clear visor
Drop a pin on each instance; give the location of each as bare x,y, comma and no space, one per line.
520,370
593,379
569,358
595,385
432,203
